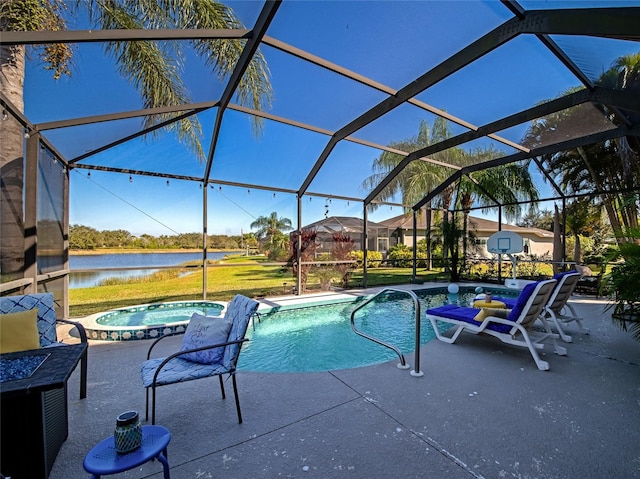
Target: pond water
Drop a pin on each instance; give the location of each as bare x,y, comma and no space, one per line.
87,279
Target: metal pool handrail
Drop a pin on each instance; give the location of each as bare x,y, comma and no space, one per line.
403,364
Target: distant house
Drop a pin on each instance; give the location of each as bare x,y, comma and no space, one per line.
399,229
537,242
377,234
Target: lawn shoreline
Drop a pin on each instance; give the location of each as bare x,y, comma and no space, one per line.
89,252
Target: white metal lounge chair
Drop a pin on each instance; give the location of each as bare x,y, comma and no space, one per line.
514,329
558,306
558,302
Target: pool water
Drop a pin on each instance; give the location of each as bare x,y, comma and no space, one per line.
147,321
160,313
319,338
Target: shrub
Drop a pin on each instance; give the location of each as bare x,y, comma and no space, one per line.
374,258
401,255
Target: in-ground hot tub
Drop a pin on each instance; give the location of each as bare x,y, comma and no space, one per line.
147,321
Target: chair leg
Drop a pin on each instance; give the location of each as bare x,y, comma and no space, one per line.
153,406
574,317
235,392
222,386
146,405
441,336
542,365
83,375
556,322
165,464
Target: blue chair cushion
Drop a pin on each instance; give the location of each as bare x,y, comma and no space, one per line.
467,315
521,301
205,331
558,276
177,370
508,302
46,313
239,311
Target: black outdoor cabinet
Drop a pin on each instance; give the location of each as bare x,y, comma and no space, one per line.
34,426
33,413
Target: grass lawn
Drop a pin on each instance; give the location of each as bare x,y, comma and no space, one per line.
251,276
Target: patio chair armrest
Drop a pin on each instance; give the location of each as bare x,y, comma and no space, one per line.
486,322
81,331
496,319
508,322
187,351
164,336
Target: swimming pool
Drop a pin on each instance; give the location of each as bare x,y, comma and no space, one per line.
319,338
296,338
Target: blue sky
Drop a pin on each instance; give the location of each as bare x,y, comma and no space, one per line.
358,35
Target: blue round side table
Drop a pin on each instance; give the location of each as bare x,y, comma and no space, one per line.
103,459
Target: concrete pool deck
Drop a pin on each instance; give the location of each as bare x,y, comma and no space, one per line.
481,410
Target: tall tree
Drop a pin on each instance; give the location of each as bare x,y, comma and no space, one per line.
153,70
270,229
418,177
537,219
507,184
581,215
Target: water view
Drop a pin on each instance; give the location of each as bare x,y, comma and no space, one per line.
87,279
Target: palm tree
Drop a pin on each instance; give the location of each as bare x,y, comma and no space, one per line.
582,218
598,166
418,177
507,184
271,229
625,74
605,166
151,69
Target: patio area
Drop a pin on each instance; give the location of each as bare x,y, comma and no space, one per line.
481,410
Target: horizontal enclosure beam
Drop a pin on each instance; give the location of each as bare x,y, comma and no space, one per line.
626,99
213,182
87,120
138,134
556,198
544,150
119,35
595,22
323,131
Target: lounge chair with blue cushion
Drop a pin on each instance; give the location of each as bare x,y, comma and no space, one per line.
211,347
511,327
41,305
557,307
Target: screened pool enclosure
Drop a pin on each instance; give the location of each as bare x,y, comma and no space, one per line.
351,102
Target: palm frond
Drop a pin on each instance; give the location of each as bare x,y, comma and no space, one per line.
37,16
254,89
152,70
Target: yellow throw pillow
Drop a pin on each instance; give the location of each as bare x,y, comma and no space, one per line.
19,331
484,312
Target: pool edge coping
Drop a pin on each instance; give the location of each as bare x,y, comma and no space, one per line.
100,332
